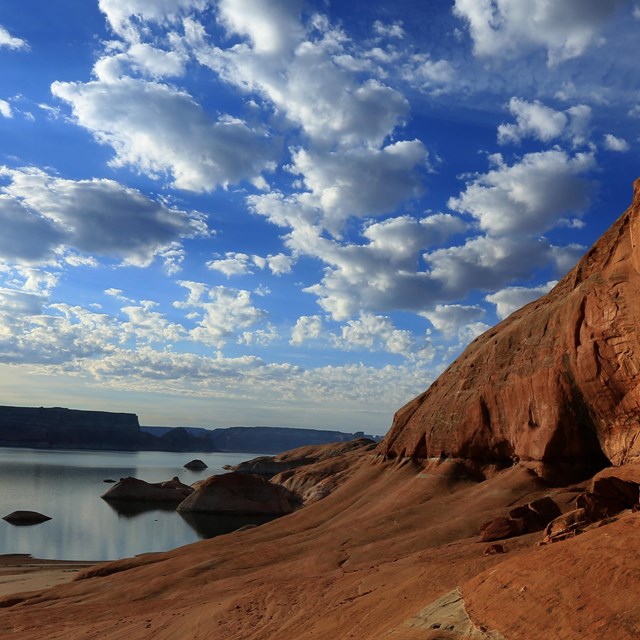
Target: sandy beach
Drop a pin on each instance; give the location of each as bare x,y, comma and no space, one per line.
22,573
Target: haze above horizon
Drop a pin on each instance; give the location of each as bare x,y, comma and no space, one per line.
289,212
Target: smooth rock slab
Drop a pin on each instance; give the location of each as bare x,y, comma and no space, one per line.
25,518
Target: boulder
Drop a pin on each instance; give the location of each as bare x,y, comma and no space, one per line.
25,517
241,494
526,518
196,465
556,385
566,526
139,490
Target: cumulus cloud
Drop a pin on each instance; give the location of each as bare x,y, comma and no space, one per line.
124,16
452,320
142,58
336,181
306,328
430,76
565,29
512,298
613,143
11,42
219,312
374,333
160,130
530,196
235,264
536,120
43,214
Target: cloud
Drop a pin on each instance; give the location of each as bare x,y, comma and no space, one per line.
11,42
307,81
235,264
142,58
306,328
530,196
536,120
272,27
565,29
430,76
389,30
124,15
219,312
335,181
512,298
5,109
374,333
43,214
160,130
452,320
613,143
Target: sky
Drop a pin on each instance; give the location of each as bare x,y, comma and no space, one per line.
288,212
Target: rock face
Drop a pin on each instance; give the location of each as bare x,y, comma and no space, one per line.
557,383
240,493
135,489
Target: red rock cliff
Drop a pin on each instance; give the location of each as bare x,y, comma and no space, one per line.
556,382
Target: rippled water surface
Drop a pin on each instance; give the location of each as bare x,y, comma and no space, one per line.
67,485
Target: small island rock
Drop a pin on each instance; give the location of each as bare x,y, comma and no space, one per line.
196,465
139,490
26,517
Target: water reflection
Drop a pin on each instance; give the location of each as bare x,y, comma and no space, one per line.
67,485
211,525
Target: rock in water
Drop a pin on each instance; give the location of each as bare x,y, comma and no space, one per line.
557,383
135,489
196,465
242,494
26,517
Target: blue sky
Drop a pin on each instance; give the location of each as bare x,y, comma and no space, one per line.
279,212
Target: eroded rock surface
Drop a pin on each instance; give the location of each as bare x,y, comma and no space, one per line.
554,385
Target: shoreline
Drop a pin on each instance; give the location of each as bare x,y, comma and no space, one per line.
21,573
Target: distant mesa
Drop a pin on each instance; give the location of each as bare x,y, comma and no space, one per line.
134,489
196,465
23,518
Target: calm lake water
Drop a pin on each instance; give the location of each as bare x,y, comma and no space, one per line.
67,485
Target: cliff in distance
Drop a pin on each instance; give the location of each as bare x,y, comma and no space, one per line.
555,384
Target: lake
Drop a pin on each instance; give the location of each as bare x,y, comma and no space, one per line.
67,485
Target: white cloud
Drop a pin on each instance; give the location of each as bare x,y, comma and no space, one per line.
124,15
530,196
220,312
336,181
142,58
636,12
389,30
235,264
536,120
42,214
431,76
5,109
512,298
160,130
11,42
306,328
453,319
273,26
565,29
374,333
261,337
613,143
148,326
308,81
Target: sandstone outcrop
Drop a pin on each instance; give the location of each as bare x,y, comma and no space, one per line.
556,385
241,494
134,489
527,518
